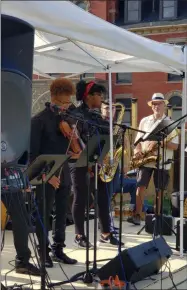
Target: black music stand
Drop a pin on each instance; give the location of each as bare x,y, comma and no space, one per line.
94,153
161,130
39,173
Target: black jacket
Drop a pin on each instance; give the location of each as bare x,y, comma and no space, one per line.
46,137
89,122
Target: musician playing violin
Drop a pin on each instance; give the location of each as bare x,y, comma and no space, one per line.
51,135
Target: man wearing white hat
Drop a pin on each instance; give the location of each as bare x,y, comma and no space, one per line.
158,105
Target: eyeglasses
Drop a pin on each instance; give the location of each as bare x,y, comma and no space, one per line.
64,103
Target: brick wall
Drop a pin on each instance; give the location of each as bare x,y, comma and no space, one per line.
145,84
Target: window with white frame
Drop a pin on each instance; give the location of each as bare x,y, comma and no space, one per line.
132,10
124,78
176,103
168,9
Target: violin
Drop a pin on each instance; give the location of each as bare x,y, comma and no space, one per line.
70,132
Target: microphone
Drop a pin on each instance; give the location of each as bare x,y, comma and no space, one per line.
53,106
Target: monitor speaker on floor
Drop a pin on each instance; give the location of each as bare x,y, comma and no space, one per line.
137,263
17,48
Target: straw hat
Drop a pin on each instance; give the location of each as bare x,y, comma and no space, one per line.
157,97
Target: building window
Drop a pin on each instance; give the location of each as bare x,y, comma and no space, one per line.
176,103
127,102
150,10
88,76
182,9
168,9
124,78
85,5
132,10
174,78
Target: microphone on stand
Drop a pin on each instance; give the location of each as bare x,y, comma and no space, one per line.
53,107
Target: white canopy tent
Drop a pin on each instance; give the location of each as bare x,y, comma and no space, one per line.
62,25
68,39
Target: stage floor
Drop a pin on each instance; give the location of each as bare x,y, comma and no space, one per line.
130,238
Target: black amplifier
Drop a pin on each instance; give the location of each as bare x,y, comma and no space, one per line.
167,225
184,236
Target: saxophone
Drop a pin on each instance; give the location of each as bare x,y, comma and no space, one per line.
151,156
107,170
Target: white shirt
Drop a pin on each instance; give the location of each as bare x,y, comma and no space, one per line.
147,124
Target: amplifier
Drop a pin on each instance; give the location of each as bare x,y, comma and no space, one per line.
167,225
137,263
184,236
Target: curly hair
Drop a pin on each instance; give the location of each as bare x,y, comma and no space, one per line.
62,86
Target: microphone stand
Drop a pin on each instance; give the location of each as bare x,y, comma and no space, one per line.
124,128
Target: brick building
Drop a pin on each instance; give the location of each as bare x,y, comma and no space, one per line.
160,20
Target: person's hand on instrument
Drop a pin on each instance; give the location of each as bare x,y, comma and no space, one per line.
55,182
151,145
138,154
74,155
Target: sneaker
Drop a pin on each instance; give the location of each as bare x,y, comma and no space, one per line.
110,240
27,269
136,220
81,242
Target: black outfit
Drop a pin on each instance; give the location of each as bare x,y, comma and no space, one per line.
46,138
79,178
15,205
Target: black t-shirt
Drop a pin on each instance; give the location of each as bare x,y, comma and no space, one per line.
46,137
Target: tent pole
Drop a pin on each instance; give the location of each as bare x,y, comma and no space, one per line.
111,115
182,158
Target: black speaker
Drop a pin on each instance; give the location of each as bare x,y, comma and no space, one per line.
17,49
139,262
151,227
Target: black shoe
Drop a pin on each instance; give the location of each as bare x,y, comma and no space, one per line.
136,220
82,242
27,269
110,240
115,230
59,256
48,260
63,258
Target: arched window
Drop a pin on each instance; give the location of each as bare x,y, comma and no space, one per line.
176,103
